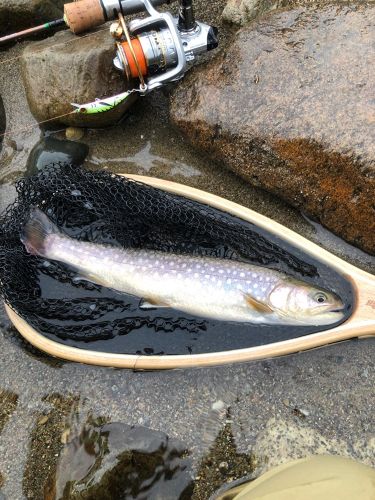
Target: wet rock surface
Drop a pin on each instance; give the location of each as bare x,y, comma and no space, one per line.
18,14
67,69
288,107
240,12
51,150
119,461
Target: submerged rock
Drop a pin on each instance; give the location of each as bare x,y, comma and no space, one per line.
50,150
288,107
118,461
18,14
64,69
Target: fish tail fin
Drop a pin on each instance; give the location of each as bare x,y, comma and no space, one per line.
36,232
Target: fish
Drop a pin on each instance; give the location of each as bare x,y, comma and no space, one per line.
208,287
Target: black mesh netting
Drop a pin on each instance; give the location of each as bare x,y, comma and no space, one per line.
106,208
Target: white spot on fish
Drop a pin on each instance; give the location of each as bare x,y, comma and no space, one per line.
255,285
196,275
254,275
242,275
229,281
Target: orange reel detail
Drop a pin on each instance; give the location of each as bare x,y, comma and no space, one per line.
139,54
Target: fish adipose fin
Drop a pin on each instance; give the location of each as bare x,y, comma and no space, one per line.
36,231
257,305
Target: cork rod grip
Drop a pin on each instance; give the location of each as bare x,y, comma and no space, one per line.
82,15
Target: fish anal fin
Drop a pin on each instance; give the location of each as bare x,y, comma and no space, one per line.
257,304
152,303
91,278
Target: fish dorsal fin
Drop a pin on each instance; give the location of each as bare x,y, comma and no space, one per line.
257,304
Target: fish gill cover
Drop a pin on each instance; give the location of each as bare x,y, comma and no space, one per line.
101,207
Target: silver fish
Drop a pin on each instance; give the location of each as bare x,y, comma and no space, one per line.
203,286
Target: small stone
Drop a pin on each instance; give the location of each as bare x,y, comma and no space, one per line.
298,412
223,466
218,405
286,402
65,436
74,133
43,420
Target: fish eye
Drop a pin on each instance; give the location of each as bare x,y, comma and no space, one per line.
320,297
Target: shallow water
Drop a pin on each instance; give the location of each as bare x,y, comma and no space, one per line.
231,419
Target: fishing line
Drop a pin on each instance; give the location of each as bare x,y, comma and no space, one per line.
76,38
29,127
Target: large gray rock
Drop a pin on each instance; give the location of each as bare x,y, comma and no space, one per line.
243,11
288,107
65,69
18,14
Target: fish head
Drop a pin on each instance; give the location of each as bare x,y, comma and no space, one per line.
306,304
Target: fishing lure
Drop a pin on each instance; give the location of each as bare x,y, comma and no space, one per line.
101,105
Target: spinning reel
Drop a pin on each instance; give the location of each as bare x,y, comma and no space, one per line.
151,52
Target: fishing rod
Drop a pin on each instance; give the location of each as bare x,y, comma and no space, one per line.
150,52
83,15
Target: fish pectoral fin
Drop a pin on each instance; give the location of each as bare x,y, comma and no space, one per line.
152,303
258,305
